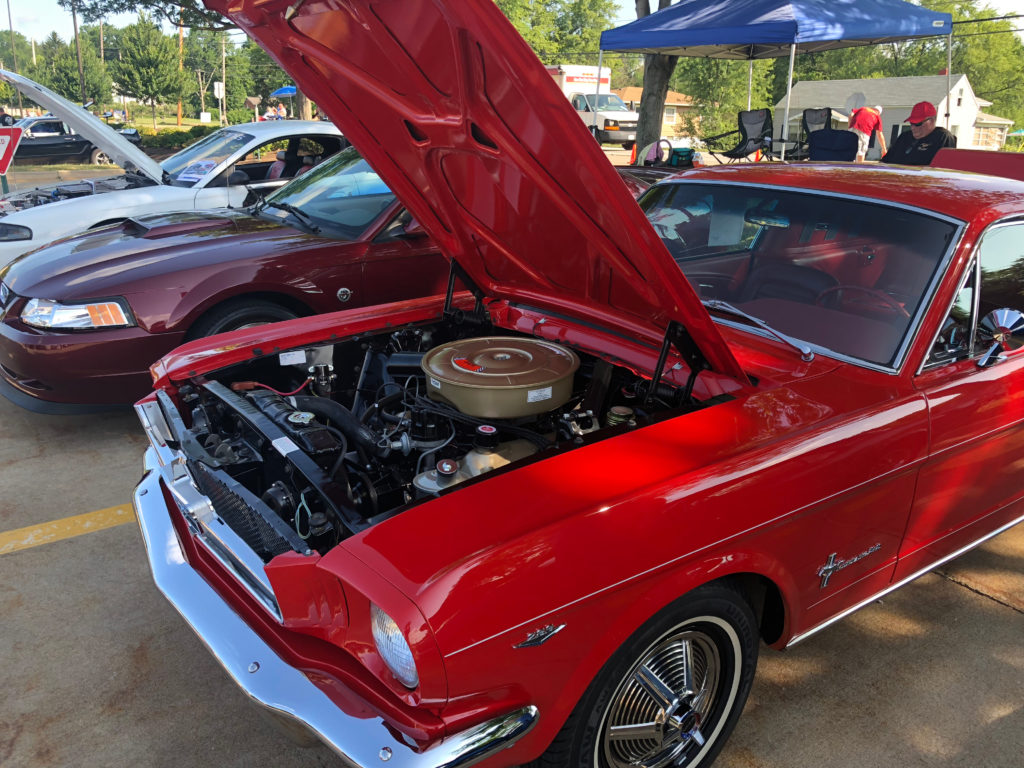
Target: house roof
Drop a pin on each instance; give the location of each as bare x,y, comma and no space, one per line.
633,93
984,118
887,91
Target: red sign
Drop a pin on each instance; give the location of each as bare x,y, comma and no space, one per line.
9,138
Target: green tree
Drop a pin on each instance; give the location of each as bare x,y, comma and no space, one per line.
265,74
720,89
148,68
61,74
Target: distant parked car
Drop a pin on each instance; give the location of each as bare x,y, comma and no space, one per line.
231,167
49,139
87,316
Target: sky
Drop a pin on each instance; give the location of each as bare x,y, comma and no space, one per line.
37,18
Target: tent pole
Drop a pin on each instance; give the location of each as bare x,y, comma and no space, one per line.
750,80
949,74
789,94
597,92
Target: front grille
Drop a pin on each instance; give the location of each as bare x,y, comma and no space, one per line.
240,515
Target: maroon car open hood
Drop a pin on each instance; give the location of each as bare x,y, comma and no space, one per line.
460,119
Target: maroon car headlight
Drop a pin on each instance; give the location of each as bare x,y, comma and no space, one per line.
105,313
394,648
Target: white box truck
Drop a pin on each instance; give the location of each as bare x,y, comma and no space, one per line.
601,110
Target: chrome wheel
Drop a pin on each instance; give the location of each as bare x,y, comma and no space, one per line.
668,706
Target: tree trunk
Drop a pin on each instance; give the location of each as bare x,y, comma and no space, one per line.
658,71
303,106
154,115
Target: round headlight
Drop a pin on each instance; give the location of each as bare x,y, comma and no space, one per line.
393,648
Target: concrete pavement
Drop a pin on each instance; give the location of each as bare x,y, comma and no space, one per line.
99,670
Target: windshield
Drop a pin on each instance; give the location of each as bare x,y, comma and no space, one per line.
342,196
845,275
606,102
193,163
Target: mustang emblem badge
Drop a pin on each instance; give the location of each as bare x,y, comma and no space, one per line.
539,636
834,565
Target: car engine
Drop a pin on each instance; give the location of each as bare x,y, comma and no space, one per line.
31,198
301,449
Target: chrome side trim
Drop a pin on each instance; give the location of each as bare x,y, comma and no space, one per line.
893,587
281,688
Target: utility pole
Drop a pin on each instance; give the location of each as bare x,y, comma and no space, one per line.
223,77
181,57
78,48
21,107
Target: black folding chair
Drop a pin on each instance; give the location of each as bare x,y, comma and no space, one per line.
815,119
829,144
755,132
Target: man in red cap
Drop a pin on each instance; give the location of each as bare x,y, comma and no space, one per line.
919,145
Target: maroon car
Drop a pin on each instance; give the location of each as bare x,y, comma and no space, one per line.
82,319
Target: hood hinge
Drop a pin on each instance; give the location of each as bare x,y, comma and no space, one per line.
479,315
677,336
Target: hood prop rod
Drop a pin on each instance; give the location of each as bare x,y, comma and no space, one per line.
457,272
677,336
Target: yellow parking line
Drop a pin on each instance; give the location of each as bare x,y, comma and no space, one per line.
68,527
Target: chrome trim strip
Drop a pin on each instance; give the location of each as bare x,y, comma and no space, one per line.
893,587
281,688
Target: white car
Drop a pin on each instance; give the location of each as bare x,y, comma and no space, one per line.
226,169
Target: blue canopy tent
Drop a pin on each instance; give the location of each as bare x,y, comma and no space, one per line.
764,29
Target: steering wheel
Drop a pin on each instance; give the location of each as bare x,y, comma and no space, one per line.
871,299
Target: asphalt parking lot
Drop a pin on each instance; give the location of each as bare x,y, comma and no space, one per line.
99,670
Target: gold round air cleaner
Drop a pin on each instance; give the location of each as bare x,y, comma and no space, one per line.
498,377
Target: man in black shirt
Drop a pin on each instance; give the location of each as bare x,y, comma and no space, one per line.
5,119
919,145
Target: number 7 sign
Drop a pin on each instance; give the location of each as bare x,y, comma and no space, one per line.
9,138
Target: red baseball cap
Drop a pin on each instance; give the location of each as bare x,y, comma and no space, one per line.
921,112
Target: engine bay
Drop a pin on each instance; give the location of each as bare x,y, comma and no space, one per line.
301,449
66,191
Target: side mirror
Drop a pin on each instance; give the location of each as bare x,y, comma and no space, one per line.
238,178
412,230
1005,329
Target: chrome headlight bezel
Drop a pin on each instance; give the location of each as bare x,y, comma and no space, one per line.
393,648
97,314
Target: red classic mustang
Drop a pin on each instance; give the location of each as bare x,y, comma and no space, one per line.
552,519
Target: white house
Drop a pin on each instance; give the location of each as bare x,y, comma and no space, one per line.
973,128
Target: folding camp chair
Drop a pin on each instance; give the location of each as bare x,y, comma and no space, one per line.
812,120
755,131
829,144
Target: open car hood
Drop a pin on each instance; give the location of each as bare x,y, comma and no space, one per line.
86,124
459,117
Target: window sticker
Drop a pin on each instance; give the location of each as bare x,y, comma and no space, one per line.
197,170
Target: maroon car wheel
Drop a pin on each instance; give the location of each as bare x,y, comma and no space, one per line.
237,314
672,693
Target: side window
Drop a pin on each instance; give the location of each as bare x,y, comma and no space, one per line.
1001,256
999,269
46,129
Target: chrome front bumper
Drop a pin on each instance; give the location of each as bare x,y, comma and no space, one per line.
273,683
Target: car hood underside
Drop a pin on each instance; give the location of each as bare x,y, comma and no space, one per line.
464,124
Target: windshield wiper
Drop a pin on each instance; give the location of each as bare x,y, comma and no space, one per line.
298,213
806,354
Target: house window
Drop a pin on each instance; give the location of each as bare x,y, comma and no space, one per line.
670,115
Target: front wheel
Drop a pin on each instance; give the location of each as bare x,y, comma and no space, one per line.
99,157
237,314
671,695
